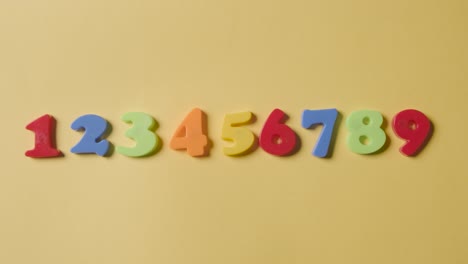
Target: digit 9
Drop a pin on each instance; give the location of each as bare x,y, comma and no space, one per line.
414,127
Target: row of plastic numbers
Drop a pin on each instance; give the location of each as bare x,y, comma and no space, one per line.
366,135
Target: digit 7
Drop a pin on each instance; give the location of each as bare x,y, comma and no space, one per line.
414,127
326,117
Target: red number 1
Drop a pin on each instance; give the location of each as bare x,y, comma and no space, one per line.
44,145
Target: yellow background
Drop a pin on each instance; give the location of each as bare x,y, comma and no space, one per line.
164,57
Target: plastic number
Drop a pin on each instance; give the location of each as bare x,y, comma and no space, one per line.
326,117
277,138
243,138
92,141
414,127
44,144
191,134
142,132
365,136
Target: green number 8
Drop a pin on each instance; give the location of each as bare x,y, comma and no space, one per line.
366,135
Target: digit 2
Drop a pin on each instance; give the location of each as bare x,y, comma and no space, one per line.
93,141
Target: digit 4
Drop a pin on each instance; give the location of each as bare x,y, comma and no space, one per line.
326,117
191,134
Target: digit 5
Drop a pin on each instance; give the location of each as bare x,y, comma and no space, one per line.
243,139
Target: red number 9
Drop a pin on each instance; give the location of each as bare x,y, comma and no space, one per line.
414,127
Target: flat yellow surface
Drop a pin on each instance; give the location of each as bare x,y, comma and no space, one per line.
165,57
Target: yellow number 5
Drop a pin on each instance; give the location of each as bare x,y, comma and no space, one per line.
243,139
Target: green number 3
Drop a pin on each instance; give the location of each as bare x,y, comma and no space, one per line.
142,131
366,135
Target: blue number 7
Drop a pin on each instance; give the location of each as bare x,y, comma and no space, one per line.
326,117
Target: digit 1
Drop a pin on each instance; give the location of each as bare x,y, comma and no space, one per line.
414,127
44,144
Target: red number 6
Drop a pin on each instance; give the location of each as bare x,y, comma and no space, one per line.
277,138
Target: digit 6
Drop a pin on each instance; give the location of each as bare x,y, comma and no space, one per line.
277,138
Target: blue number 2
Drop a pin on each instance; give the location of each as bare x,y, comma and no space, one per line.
326,117
95,128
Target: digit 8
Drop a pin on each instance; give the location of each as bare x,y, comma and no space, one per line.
366,135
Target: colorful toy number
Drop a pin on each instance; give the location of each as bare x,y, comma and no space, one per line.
244,139
142,132
44,144
365,135
92,141
414,127
191,134
277,138
326,117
